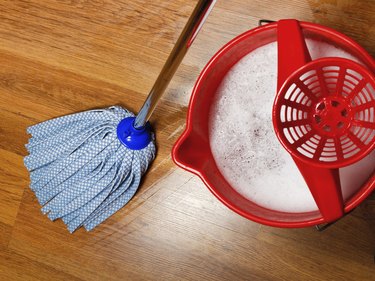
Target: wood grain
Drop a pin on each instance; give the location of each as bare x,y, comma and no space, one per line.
59,57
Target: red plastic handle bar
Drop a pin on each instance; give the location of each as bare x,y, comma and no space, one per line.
324,184
291,48
325,187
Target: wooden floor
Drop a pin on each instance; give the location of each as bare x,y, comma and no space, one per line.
59,57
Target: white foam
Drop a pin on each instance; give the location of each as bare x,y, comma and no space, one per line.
242,139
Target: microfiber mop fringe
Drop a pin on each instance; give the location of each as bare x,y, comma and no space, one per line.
80,171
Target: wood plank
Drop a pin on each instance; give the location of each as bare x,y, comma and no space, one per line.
12,185
5,235
16,267
105,40
351,237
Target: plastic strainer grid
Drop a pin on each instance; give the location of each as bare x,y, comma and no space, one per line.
325,112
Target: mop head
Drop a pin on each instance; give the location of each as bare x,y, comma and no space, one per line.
80,171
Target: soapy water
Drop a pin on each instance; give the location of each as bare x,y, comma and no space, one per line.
244,145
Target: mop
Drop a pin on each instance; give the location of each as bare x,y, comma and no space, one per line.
86,166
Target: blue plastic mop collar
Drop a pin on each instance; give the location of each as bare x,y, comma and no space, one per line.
133,138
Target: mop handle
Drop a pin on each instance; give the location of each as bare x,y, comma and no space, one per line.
183,43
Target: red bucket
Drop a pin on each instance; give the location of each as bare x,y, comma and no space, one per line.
192,151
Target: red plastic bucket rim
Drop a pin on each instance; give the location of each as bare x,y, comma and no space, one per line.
318,30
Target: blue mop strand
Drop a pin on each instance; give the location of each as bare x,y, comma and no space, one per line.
80,171
68,164
75,172
70,196
129,181
110,198
119,202
48,128
93,187
121,197
139,165
77,182
56,145
81,214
